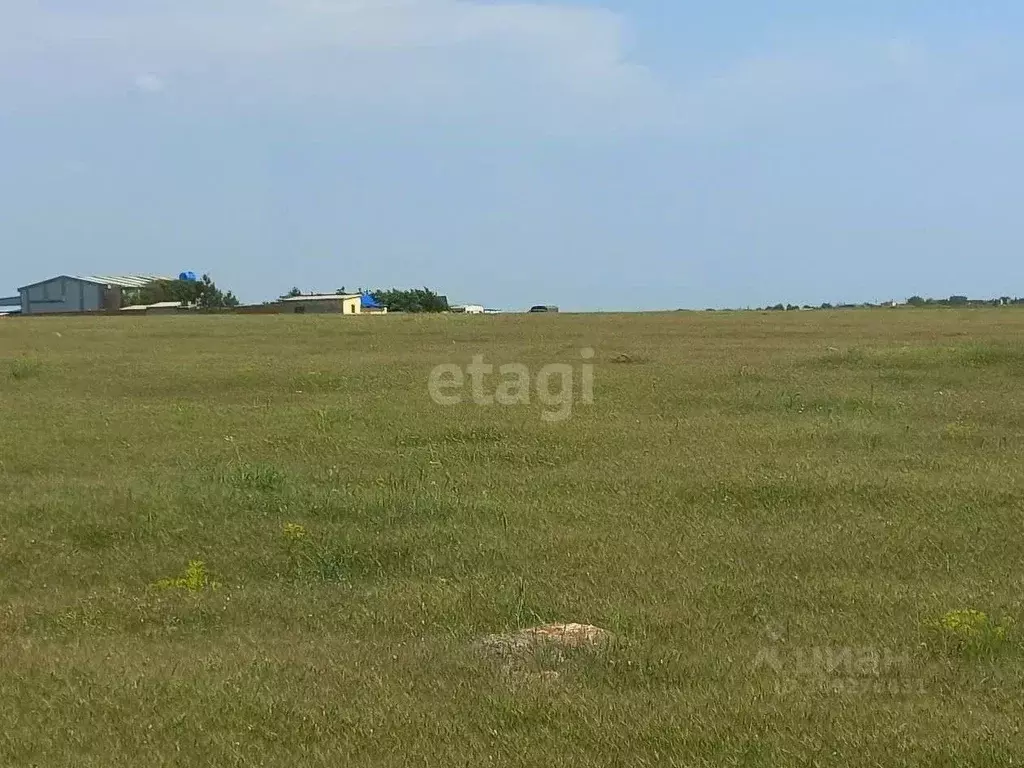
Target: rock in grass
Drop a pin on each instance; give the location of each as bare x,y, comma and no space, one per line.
553,636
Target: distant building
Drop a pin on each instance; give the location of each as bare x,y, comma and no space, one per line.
80,294
468,309
336,303
544,308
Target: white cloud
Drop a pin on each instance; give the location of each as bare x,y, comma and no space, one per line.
148,83
550,65
479,55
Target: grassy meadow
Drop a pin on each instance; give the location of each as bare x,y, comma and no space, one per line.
784,519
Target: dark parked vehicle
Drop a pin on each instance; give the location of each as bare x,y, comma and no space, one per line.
543,308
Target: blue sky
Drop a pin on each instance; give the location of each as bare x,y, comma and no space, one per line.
607,154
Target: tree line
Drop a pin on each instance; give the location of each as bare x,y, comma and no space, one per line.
202,293
963,301
913,301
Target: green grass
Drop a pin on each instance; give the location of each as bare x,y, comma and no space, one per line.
819,489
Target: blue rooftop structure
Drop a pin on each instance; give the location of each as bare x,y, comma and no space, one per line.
368,302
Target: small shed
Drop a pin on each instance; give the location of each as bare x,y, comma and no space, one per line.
328,303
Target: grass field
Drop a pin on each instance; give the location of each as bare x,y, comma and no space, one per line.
775,515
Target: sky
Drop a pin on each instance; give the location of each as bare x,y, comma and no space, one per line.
596,154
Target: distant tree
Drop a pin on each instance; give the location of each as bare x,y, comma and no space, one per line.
826,305
411,300
211,297
916,301
292,293
200,293
157,291
958,301
779,308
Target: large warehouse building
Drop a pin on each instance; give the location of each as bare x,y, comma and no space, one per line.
79,294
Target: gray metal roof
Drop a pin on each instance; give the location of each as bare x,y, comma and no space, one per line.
121,281
124,281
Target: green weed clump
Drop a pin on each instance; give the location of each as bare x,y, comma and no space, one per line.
309,561
262,478
294,537
970,632
293,532
194,580
958,431
24,368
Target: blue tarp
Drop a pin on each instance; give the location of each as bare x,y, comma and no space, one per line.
368,302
